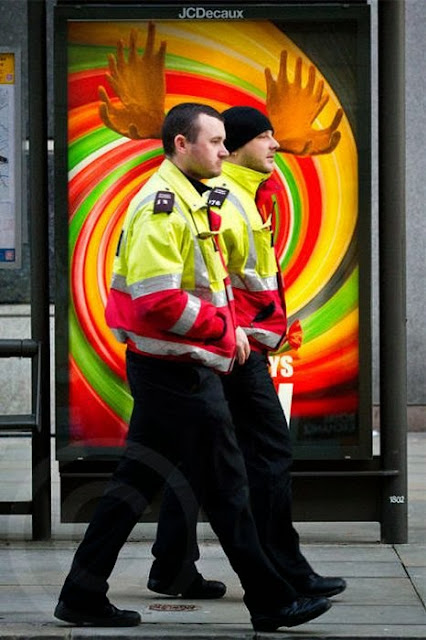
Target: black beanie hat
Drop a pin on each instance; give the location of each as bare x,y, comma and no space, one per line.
242,124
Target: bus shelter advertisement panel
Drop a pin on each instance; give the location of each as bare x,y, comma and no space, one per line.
122,77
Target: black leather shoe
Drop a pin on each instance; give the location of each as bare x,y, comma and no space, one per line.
200,589
298,612
316,586
108,616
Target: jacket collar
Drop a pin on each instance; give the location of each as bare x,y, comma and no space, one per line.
247,179
180,184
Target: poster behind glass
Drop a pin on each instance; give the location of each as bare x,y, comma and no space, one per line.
322,229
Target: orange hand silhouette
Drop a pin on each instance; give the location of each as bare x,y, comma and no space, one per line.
293,108
140,85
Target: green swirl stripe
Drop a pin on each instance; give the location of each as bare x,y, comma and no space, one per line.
297,210
88,143
98,375
343,302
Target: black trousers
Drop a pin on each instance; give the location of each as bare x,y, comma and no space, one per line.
181,429
264,440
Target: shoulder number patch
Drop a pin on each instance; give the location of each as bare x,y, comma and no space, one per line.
164,202
217,197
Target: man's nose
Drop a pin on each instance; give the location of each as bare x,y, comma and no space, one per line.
224,151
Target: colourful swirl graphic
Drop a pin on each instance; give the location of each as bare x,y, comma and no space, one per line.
315,235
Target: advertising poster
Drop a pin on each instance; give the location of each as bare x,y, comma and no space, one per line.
8,204
318,90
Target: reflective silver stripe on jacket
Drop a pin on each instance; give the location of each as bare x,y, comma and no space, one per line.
155,285
253,282
188,316
146,286
268,338
118,282
154,346
230,292
217,298
120,334
252,255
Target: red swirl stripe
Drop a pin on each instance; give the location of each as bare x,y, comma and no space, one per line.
83,88
311,220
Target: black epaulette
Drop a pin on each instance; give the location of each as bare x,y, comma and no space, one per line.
217,197
164,202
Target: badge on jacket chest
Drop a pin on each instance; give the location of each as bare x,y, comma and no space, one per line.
217,197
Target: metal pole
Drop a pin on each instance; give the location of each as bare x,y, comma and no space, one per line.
39,221
393,370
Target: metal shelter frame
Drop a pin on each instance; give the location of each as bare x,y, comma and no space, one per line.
38,348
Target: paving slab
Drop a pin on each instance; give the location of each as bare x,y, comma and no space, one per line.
353,568
338,553
377,591
417,576
412,556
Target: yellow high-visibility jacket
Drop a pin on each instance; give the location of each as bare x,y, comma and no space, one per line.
170,296
247,242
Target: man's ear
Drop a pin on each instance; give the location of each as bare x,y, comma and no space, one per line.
181,143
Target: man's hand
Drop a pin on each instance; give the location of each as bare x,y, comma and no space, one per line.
243,345
292,109
140,84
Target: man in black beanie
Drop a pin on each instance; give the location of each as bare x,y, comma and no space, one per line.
244,198
243,124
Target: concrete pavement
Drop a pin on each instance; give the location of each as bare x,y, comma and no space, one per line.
385,597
